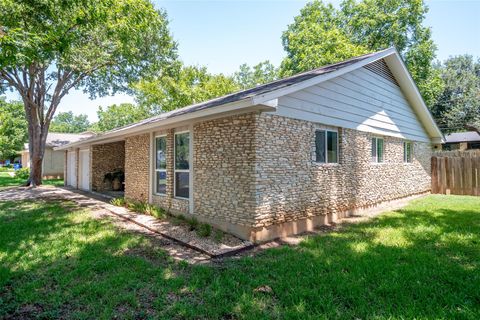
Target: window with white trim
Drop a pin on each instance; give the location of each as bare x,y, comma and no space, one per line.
377,150
326,146
182,165
161,165
407,151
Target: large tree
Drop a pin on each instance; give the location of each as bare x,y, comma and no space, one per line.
69,123
48,47
182,86
115,116
13,128
248,77
458,106
322,34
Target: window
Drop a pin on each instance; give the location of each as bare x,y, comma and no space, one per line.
326,146
377,150
182,164
407,151
161,165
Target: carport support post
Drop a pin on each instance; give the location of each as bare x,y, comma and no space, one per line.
77,164
65,169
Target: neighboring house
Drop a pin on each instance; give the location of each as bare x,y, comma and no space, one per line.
280,158
53,161
462,141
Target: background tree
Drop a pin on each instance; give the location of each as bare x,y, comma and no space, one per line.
248,77
458,106
69,123
13,128
115,116
182,86
322,34
49,47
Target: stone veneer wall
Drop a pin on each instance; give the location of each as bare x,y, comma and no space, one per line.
137,157
105,158
292,186
224,169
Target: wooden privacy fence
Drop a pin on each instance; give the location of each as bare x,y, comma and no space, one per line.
456,172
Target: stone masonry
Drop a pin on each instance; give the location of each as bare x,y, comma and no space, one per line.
137,155
224,169
255,170
105,158
291,185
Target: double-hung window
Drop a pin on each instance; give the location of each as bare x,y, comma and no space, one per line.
377,150
326,146
182,164
161,165
407,151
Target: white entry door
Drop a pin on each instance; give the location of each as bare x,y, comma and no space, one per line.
71,169
84,167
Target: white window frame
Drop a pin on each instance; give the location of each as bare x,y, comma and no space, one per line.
175,170
405,157
326,147
155,166
375,160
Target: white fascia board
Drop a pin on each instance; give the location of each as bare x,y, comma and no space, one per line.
321,78
229,108
410,89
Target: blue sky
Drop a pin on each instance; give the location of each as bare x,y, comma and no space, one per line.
224,34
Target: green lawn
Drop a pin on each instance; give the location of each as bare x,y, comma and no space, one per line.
420,262
7,181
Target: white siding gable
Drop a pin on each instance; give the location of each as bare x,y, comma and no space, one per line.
361,100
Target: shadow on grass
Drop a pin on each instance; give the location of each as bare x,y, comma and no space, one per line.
420,262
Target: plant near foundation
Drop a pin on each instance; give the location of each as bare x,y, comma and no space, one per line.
119,202
218,235
192,223
155,211
204,230
140,207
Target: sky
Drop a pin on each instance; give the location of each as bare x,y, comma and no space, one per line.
224,34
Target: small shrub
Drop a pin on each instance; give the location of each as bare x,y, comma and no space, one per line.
204,230
22,173
218,235
119,202
192,223
155,211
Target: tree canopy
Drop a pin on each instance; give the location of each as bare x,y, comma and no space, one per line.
248,77
69,123
182,86
48,47
322,35
115,116
13,128
458,106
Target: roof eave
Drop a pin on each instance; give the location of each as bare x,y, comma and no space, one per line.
246,105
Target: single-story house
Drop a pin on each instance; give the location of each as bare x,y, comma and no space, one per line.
54,161
280,158
462,141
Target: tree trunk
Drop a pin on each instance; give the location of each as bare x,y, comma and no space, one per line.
37,136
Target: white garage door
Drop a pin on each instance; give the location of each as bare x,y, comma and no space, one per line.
84,170
71,174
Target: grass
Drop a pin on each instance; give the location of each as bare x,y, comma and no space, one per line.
7,181
420,262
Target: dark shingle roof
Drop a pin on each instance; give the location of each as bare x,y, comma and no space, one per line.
468,136
250,93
